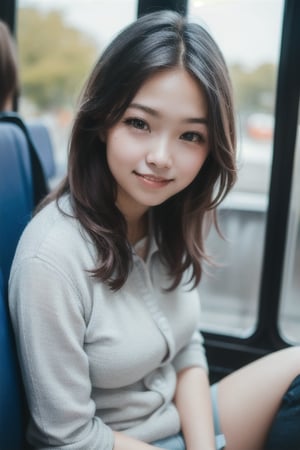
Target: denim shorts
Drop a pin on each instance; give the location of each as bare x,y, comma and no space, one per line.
176,442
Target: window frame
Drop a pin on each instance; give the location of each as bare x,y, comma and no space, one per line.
227,353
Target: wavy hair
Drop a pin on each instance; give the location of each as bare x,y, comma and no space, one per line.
155,42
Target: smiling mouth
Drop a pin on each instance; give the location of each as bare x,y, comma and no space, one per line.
152,179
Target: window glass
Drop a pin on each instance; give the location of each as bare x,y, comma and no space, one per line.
58,43
248,33
290,298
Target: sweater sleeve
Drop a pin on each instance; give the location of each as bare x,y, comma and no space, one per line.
49,325
192,355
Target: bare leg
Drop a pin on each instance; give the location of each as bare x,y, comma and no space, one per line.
250,397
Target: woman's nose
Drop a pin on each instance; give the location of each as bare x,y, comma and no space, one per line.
160,153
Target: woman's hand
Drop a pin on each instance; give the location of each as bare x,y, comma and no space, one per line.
124,442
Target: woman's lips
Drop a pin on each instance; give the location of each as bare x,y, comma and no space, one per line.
153,180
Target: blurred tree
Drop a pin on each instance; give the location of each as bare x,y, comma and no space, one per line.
254,89
54,58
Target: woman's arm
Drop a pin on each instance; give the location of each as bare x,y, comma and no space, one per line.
192,399
50,330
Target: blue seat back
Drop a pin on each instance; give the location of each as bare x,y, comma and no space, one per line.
12,403
16,205
43,144
16,191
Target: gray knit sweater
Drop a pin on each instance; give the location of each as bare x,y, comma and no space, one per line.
94,360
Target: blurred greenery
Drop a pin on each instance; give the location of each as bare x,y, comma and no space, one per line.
254,89
54,58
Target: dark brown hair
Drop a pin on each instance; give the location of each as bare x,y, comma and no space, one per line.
155,42
9,80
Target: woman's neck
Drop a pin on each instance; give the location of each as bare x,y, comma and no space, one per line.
137,228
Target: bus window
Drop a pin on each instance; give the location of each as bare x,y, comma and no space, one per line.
58,43
249,35
290,305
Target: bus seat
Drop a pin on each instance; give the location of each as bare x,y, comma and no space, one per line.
42,141
39,181
16,205
12,406
16,191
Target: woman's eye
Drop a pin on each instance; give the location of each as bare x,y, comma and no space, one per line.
192,136
137,123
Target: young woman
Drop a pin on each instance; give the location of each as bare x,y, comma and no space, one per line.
103,291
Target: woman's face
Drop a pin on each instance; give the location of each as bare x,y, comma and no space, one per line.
159,145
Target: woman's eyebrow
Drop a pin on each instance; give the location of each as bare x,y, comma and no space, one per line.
202,120
145,108
154,113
